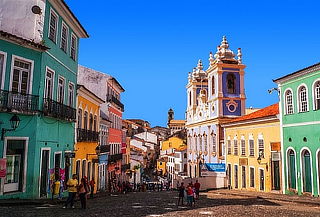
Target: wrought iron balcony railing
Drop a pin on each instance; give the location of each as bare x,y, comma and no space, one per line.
84,135
18,102
58,110
114,100
115,157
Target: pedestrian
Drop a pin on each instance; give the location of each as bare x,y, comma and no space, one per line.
72,185
83,190
190,196
181,190
92,184
197,188
61,190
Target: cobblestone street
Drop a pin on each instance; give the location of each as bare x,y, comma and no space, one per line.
164,204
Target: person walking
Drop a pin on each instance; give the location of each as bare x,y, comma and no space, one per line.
83,190
72,185
197,188
181,190
92,184
190,197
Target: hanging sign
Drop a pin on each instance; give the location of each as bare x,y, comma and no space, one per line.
3,167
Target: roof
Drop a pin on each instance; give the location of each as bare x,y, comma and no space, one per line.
75,18
177,122
21,41
308,69
269,111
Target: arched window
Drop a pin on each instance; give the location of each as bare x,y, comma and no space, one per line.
91,122
80,118
213,86
231,83
289,102
317,95
303,100
190,98
85,120
95,123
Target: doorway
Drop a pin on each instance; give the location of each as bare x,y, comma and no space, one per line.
45,159
291,170
261,174
235,176
306,171
275,166
244,177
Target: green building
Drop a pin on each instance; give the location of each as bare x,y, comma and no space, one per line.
300,129
39,43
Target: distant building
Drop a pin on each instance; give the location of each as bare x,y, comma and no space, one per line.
175,125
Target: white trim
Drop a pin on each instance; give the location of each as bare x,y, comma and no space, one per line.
56,59
301,124
31,71
25,159
45,83
285,101
313,93
298,97
43,149
57,25
301,168
317,166
63,24
3,69
287,172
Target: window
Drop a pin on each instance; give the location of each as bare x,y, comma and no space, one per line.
303,101
235,147
231,83
84,167
85,120
214,143
243,147
261,147
89,171
195,143
190,98
49,84
95,123
251,177
78,169
288,101
91,122
229,147
244,177
60,96
21,77
53,26
70,94
251,147
205,142
213,86
2,69
64,37
73,48
235,176
200,143
316,95
80,118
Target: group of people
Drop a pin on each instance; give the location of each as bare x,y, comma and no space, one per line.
190,192
82,190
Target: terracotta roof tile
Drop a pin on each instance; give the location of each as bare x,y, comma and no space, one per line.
271,110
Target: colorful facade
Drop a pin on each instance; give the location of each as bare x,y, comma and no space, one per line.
300,121
85,163
214,96
253,151
39,62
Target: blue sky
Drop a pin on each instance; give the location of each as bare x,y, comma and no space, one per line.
150,46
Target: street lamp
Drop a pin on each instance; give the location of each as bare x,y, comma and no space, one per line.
260,158
14,122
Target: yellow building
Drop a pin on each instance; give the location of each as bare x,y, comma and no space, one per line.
86,148
162,165
252,144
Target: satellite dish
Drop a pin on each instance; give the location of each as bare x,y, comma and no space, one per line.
36,9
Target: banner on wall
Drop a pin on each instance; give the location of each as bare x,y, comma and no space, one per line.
3,167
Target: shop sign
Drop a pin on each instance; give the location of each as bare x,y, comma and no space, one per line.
275,156
3,167
275,146
216,167
243,161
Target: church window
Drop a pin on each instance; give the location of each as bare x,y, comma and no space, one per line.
213,86
231,83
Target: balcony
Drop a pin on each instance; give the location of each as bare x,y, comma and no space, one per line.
17,102
112,99
115,157
84,135
58,110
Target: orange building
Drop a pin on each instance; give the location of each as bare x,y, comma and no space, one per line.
87,141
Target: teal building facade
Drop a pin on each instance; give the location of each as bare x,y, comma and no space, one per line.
38,85
300,129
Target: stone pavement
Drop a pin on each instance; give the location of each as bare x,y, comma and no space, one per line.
154,204
303,199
